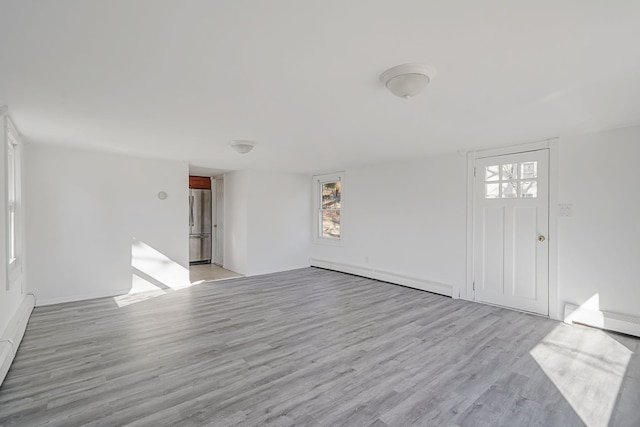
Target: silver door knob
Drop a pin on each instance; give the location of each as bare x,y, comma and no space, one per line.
541,238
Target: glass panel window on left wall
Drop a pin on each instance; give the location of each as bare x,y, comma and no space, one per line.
330,205
13,190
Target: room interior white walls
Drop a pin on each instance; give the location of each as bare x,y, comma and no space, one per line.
404,219
599,243
278,221
88,210
235,221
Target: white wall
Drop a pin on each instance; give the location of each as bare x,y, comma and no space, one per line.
599,245
87,211
235,221
267,221
408,218
278,222
405,218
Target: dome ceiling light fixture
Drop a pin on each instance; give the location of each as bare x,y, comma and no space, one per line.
407,80
242,146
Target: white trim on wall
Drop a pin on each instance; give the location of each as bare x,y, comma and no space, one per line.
12,335
554,213
385,276
91,295
602,319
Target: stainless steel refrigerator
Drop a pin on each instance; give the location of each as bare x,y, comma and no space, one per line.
199,226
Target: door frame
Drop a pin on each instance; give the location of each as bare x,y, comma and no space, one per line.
552,145
217,218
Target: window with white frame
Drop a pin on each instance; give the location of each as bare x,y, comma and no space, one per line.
13,197
329,207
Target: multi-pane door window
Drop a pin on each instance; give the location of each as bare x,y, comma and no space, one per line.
329,212
511,181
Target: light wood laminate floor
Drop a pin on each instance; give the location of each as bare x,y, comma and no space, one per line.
314,347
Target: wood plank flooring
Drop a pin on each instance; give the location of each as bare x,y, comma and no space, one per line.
314,347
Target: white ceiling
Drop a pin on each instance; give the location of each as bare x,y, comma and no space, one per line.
180,79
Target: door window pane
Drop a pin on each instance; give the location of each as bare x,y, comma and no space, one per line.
509,190
529,170
529,189
510,171
492,173
492,190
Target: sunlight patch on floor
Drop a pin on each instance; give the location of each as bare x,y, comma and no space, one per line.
588,369
141,290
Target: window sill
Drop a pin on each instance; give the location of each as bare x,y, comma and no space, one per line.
328,242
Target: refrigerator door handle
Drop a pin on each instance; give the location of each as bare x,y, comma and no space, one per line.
190,210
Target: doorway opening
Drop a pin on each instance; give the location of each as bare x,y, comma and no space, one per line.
206,229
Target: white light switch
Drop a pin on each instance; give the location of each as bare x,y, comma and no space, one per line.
566,209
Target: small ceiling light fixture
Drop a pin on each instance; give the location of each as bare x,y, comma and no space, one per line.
407,80
242,146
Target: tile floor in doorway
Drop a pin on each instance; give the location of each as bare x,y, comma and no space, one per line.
207,272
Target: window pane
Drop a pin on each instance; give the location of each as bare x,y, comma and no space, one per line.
11,173
529,170
331,195
492,191
529,189
331,224
510,171
492,173
12,234
509,190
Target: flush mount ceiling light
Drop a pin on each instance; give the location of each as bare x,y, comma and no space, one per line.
242,146
407,80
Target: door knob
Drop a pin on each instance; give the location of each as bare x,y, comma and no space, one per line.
541,238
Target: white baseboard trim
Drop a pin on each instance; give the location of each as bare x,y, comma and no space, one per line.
386,276
601,319
74,298
12,335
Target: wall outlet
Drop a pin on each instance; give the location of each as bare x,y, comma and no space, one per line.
565,209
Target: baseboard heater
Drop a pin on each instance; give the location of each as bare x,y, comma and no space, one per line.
629,325
385,276
13,333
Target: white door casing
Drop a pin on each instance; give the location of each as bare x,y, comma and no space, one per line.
218,227
511,224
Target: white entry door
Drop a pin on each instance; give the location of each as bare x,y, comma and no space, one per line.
511,223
